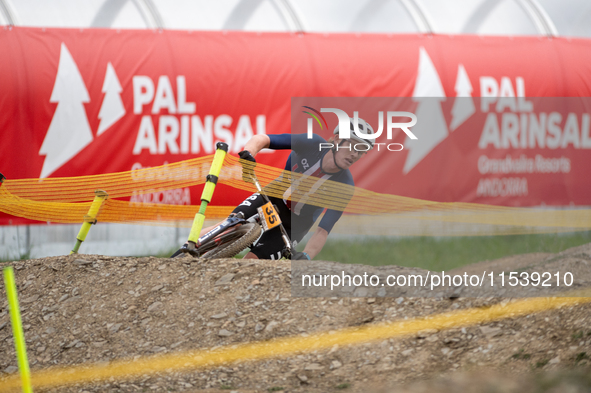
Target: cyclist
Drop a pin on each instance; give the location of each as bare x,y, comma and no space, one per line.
308,159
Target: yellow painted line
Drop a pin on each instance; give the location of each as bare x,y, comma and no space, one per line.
174,362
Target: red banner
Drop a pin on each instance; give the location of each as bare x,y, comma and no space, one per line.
513,151
82,102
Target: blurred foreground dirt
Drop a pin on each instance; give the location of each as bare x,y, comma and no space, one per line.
89,308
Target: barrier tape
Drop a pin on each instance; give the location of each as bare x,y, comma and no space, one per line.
66,200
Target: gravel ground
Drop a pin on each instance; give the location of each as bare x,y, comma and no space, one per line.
90,308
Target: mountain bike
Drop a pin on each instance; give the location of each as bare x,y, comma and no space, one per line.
236,233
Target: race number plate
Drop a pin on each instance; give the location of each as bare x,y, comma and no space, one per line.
269,216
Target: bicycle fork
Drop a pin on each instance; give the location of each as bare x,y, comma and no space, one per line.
284,235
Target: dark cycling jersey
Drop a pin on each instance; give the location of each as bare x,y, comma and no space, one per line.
297,216
306,158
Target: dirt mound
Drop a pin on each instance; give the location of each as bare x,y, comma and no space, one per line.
89,308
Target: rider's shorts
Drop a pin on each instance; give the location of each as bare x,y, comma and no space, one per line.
271,244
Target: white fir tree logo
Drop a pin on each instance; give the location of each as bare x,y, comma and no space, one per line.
69,131
431,128
464,104
112,108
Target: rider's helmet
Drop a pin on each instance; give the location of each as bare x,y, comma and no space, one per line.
364,128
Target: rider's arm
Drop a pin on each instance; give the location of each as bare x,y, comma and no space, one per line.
297,142
257,143
316,242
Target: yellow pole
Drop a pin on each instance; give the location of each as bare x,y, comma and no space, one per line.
212,179
17,329
89,219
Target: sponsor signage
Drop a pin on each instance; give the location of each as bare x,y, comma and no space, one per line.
497,120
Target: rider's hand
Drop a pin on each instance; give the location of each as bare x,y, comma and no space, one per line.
248,163
300,255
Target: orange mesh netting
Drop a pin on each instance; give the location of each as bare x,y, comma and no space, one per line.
67,200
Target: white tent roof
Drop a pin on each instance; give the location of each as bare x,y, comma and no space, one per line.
487,17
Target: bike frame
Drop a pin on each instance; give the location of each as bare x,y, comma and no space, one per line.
233,220
284,235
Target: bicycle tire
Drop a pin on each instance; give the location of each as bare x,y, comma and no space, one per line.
238,240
